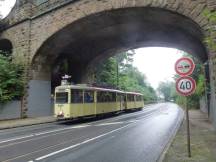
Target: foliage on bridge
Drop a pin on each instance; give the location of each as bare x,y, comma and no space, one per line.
211,38
11,82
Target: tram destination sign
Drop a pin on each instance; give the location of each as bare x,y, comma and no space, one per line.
184,66
185,86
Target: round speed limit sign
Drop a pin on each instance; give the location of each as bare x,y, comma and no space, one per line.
185,86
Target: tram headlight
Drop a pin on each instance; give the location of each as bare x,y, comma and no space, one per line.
61,113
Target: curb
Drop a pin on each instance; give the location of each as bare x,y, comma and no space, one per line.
28,124
167,146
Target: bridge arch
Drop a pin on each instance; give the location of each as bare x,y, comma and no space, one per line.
103,34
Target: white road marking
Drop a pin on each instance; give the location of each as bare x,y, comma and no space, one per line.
17,138
113,123
134,121
42,133
81,143
145,110
36,138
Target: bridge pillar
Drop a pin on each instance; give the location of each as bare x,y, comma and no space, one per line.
39,100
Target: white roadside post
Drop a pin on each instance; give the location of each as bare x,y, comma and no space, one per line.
185,86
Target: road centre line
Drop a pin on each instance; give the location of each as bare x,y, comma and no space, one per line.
45,148
111,123
81,143
129,115
42,133
15,143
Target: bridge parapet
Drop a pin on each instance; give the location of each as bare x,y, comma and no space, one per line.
18,14
48,5
211,4
24,10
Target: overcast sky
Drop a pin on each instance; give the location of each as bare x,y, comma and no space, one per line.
6,6
155,62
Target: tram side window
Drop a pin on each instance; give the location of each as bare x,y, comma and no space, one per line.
103,96
88,96
130,97
61,97
100,96
139,98
76,96
119,97
113,99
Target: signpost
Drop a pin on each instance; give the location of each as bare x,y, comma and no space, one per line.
185,86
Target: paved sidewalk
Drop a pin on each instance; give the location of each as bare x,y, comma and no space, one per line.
5,124
203,141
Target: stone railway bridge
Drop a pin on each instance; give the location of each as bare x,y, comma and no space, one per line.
39,33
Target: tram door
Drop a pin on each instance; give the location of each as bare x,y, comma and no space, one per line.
122,102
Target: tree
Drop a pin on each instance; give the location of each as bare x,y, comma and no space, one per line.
11,82
123,60
106,73
166,90
118,72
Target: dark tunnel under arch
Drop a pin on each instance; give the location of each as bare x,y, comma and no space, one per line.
6,47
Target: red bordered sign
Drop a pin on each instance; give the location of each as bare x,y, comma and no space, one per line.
185,86
184,66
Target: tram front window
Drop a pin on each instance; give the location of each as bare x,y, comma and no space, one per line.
62,97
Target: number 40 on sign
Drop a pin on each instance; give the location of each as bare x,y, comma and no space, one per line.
185,86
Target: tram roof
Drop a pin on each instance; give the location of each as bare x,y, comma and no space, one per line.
85,87
136,93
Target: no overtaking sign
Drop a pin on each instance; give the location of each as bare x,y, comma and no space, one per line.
184,66
185,85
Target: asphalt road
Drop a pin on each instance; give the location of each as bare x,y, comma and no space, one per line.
130,137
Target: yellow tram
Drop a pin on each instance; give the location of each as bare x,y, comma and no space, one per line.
74,101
